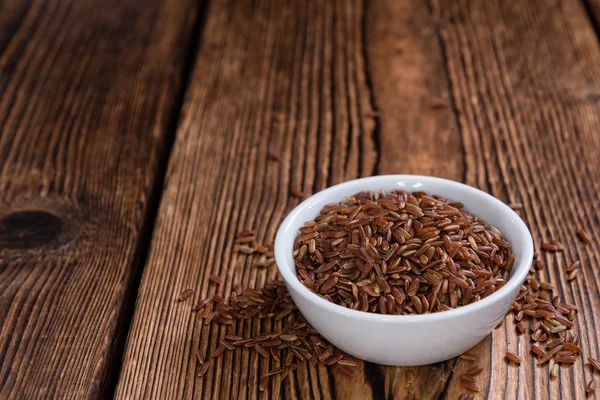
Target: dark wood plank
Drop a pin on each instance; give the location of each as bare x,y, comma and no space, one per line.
525,83
291,79
502,97
87,91
593,9
418,135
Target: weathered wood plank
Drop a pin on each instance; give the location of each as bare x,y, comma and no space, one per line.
87,91
290,79
418,135
502,97
525,83
593,9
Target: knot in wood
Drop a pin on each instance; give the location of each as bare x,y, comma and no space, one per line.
28,229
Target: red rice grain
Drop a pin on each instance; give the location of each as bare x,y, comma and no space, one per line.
297,193
378,242
186,294
200,356
572,275
474,371
591,387
273,156
574,265
513,357
204,369
595,364
263,383
584,236
469,383
468,357
393,254
550,247
218,351
345,370
516,206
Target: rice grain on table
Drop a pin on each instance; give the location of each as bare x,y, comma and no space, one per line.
401,253
516,206
201,304
291,338
263,383
551,247
420,254
468,357
469,383
200,356
218,351
474,371
345,370
572,275
245,249
186,294
595,364
273,156
591,387
297,193
246,239
574,265
204,368
539,265
584,236
513,357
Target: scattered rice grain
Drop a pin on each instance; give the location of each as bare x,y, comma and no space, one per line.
474,371
584,236
263,383
469,383
572,275
516,206
218,351
513,357
550,247
204,369
186,294
297,193
594,363
245,249
591,387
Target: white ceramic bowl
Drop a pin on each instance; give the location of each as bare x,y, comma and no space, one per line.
406,340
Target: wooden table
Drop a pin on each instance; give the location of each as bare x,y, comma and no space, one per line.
135,142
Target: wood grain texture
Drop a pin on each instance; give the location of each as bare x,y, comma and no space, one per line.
87,90
525,83
503,97
305,96
419,135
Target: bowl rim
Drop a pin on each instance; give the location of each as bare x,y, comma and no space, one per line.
521,268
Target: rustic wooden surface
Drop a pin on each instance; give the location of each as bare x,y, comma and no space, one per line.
502,95
87,91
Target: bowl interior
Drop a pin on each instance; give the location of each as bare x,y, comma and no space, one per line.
478,203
